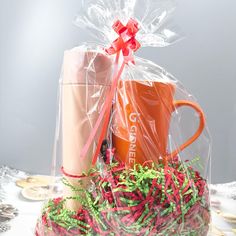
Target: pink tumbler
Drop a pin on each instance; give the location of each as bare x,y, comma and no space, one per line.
86,82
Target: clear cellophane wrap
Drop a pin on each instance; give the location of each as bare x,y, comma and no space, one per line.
132,148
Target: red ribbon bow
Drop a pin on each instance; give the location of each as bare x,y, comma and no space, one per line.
126,41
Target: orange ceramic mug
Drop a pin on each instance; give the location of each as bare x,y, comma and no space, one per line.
142,115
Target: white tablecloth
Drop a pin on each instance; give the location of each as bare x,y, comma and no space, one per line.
24,223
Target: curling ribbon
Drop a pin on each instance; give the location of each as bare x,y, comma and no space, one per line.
127,44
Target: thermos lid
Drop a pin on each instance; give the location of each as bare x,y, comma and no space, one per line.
89,67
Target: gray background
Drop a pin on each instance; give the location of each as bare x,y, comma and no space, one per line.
33,36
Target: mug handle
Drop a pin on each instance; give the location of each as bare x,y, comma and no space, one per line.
202,122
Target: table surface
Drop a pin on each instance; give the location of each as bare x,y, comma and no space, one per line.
223,198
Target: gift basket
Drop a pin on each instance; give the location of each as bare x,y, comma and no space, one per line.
132,147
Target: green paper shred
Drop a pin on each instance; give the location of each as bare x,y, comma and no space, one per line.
137,180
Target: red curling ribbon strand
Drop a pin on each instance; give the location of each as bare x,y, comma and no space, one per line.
104,112
70,175
76,176
107,116
127,44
